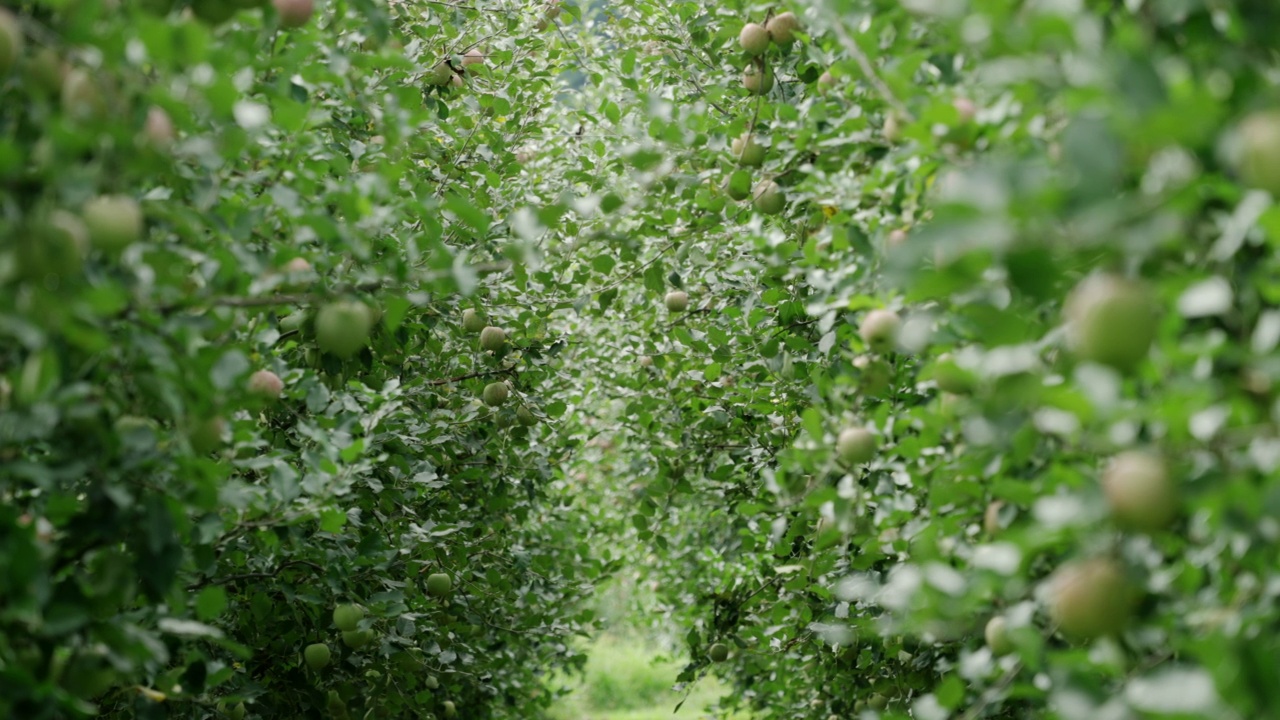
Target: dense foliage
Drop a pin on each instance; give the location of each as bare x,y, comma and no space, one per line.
919,354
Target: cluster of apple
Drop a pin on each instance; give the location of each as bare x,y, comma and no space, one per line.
493,339
349,619
766,196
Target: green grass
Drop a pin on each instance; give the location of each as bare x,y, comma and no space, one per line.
625,681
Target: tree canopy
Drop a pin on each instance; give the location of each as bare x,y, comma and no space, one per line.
920,355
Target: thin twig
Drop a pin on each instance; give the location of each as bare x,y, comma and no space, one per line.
865,63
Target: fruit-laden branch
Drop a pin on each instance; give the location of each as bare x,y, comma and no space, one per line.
510,369
253,576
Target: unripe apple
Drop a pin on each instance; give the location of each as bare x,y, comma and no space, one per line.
440,75
343,327
46,71
439,584
1139,491
782,27
432,683
473,57
472,321
54,248
525,417
896,237
456,81
718,652
748,152
1256,157
450,710
266,384
1111,321
206,435
214,12
347,617
768,198
114,222
875,377
879,329
494,394
754,38
677,301
237,712
856,445
294,13
827,80
158,129
646,361
740,190
317,656
11,41
966,109
756,82
356,639
1090,598
997,636
492,338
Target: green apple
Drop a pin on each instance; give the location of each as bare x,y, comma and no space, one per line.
114,222
213,12
826,80
525,417
450,710
431,682
206,435
440,75
11,41
343,327
1256,156
997,636
347,617
357,639
875,377
492,338
879,329
768,198
46,70
1090,598
856,445
56,246
1140,492
237,712
782,28
439,584
473,57
1111,321
646,361
747,151
317,656
754,38
757,82
677,301
494,394
266,384
472,321
718,652
294,13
